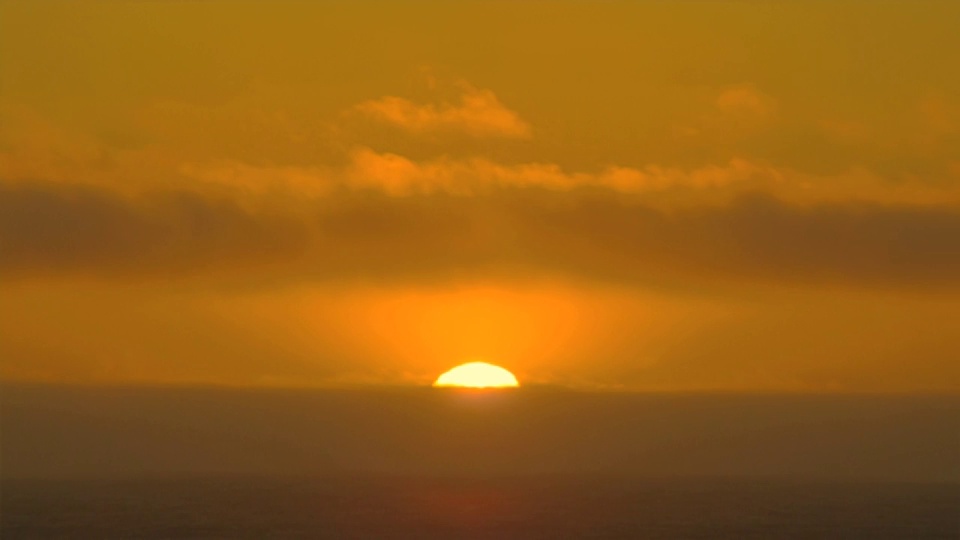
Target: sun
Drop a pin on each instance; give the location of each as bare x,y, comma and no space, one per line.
477,375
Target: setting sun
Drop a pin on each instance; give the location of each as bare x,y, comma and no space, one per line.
477,375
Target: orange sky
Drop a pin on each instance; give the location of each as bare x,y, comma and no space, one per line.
745,196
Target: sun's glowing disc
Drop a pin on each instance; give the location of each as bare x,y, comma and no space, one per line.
477,375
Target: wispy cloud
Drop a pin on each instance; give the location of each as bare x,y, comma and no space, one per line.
400,176
478,113
746,101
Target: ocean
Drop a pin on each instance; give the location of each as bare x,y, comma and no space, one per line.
391,507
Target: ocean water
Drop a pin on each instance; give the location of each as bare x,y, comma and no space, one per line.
504,508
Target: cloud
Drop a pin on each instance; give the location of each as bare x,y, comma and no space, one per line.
33,149
400,176
728,117
478,113
259,181
533,232
49,229
746,101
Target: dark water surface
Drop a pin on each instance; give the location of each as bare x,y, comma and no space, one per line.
413,508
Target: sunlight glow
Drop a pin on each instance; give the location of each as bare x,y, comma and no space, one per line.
477,375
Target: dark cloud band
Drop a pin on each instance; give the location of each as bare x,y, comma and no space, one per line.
582,234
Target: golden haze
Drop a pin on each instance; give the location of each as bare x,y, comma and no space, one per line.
629,195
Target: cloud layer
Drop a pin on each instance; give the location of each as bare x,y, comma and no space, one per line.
583,235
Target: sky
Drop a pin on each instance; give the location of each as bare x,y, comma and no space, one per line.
668,196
